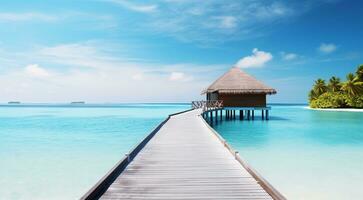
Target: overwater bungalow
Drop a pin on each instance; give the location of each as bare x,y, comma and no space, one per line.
238,90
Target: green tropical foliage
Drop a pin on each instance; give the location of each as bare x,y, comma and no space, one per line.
359,72
352,86
329,100
320,87
337,94
312,95
334,84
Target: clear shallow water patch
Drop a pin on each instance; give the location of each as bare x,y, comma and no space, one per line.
59,151
306,154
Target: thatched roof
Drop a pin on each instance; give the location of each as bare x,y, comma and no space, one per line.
237,81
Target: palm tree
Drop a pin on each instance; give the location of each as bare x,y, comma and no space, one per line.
312,96
359,72
334,84
352,86
319,87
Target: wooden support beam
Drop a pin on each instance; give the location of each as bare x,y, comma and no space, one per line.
216,115
248,114
253,114
267,117
240,114
221,117
262,114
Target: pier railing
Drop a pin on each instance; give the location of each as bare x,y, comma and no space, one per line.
207,105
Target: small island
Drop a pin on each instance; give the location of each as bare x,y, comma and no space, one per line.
337,94
78,102
14,102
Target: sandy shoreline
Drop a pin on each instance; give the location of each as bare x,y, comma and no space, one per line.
336,109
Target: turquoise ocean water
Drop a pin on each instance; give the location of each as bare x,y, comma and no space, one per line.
305,154
61,151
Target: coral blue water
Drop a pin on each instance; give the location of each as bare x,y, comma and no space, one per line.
60,151
305,154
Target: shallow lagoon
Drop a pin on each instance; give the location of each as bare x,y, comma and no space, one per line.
305,154
61,151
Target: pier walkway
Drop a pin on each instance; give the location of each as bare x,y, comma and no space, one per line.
186,159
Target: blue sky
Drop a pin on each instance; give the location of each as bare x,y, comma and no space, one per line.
169,50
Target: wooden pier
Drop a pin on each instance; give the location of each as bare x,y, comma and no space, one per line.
183,158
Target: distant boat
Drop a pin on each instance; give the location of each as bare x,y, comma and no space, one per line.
14,102
78,102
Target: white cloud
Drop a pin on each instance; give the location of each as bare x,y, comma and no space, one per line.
91,54
177,76
288,56
138,77
35,71
257,59
12,17
211,21
274,10
135,7
228,22
86,71
327,48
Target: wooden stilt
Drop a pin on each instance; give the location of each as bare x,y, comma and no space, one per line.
267,117
253,114
240,114
248,114
262,114
217,115
234,114
221,117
